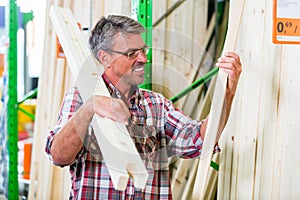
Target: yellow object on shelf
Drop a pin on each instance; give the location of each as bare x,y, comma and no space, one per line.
2,57
26,123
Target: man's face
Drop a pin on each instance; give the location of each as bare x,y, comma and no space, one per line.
124,69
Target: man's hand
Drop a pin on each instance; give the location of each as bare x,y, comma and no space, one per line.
112,108
231,64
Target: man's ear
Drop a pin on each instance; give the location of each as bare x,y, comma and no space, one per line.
103,57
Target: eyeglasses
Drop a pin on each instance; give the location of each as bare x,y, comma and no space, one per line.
133,53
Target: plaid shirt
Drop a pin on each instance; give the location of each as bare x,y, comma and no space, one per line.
157,128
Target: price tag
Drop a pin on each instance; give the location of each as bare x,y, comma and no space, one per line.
286,22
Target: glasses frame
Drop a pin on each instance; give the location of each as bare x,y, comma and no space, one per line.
133,53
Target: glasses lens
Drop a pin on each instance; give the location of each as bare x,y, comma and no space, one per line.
134,54
146,50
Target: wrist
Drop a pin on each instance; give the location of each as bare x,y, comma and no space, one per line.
89,107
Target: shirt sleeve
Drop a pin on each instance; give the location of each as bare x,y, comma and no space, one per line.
71,103
184,139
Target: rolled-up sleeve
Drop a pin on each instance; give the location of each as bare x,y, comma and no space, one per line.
184,133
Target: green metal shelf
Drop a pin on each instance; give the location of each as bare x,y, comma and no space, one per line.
12,105
143,10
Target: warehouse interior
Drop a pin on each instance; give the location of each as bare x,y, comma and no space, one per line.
186,37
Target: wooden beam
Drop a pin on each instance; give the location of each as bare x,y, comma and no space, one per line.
39,160
158,46
180,177
202,62
211,184
236,9
119,152
187,192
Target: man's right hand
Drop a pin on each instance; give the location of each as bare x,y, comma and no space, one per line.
111,108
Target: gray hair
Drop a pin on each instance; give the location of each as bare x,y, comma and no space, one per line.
101,37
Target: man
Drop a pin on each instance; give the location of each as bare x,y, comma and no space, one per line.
158,129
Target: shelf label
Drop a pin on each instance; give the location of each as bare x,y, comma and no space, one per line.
286,22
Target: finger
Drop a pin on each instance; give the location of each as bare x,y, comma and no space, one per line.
229,58
233,55
229,62
237,60
229,68
228,65
230,72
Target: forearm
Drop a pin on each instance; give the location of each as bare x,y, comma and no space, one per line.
69,140
225,112
223,118
231,64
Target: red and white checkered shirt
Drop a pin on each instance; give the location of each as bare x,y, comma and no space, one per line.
159,131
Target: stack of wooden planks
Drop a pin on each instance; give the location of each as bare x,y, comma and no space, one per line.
260,142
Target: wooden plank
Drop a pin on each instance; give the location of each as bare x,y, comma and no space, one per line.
158,46
286,164
236,9
192,170
178,49
202,62
199,23
180,177
68,4
118,144
229,143
279,140
231,167
45,180
57,182
117,7
187,192
250,130
81,12
268,185
199,58
97,9
225,169
264,165
211,185
206,105
226,142
268,110
222,29
269,118
39,160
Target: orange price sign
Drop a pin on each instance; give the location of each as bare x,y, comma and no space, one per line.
286,22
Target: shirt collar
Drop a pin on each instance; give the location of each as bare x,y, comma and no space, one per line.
114,92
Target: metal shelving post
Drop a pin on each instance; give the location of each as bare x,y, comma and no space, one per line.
142,9
12,105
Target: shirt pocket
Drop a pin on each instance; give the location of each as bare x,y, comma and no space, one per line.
149,144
